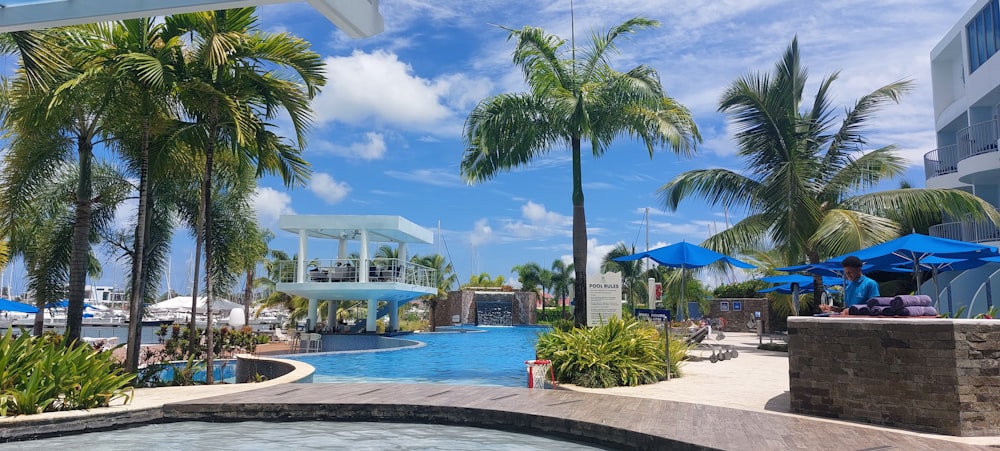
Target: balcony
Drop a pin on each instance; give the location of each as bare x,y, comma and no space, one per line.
974,140
342,279
966,230
941,161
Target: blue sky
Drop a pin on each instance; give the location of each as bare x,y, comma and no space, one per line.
387,132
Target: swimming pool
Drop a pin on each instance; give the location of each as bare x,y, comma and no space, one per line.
480,356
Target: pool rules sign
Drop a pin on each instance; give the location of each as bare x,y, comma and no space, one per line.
604,297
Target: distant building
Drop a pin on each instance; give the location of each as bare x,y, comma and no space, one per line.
965,79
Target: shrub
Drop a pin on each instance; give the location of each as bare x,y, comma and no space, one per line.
619,352
745,289
783,347
43,375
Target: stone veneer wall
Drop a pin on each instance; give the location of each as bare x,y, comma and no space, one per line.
932,375
247,369
463,304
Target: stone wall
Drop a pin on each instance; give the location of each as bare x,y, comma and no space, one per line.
249,369
736,320
463,304
931,375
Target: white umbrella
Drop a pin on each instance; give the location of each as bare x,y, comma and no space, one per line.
183,303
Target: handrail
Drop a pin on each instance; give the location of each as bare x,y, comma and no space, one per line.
966,230
350,270
941,161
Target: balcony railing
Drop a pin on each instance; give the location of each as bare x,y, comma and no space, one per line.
348,270
967,230
941,161
974,140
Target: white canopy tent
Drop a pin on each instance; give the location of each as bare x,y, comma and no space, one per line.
183,304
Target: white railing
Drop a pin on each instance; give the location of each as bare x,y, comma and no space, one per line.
351,270
941,161
966,230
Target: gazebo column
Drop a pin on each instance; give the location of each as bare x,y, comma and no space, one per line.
363,255
313,308
300,270
372,315
393,317
331,315
401,253
341,249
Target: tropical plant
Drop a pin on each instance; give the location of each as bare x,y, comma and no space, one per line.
485,280
562,279
43,374
531,278
571,101
61,121
237,79
619,352
445,280
807,173
633,283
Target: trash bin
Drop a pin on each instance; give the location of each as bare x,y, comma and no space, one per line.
538,372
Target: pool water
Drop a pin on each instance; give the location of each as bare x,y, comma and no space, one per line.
269,436
481,356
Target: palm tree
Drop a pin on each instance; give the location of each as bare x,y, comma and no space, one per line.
485,280
231,89
806,175
52,122
634,285
562,279
445,280
530,276
571,101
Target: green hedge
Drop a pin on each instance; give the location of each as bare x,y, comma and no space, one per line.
40,374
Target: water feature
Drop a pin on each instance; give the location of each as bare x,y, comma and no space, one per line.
267,436
494,313
482,356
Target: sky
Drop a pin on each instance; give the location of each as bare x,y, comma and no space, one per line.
387,131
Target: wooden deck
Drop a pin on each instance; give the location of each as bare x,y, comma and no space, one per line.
614,421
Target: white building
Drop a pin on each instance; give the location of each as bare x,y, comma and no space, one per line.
965,78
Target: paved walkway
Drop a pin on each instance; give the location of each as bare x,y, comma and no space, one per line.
734,404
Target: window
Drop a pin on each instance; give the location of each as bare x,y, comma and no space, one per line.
983,35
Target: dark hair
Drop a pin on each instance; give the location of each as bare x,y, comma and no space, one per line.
851,261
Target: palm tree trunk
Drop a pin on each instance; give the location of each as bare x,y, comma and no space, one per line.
206,188
248,295
80,253
198,239
579,241
137,291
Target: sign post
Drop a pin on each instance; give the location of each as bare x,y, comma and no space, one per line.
604,297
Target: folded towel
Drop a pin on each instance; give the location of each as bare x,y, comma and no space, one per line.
859,309
919,310
910,300
883,301
883,310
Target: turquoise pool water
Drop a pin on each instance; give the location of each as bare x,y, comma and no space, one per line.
270,436
480,356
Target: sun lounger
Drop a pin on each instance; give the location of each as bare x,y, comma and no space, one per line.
701,339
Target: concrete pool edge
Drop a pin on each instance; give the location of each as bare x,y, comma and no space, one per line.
145,407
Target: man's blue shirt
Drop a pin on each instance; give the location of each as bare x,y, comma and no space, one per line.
860,291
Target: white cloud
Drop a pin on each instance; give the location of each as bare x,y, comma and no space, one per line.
431,176
270,203
378,87
325,187
371,148
538,223
481,233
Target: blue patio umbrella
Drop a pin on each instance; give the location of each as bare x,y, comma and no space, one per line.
913,248
939,264
800,279
11,306
683,255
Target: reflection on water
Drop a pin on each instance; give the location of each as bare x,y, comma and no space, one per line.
269,436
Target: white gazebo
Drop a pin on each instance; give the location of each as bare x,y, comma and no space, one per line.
346,278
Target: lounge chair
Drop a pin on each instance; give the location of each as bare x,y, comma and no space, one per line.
717,351
280,336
